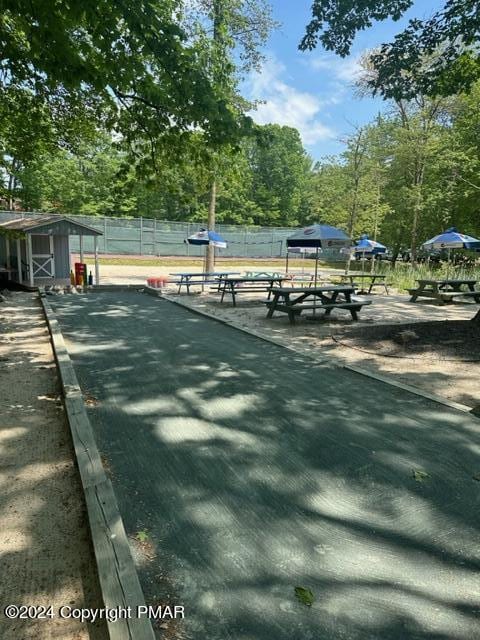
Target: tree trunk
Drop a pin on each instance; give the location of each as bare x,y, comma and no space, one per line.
210,262
12,183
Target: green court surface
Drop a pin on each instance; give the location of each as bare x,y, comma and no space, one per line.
253,470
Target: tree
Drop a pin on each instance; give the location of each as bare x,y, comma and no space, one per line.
436,56
228,28
280,169
134,57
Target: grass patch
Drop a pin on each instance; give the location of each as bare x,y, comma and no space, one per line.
403,276
262,264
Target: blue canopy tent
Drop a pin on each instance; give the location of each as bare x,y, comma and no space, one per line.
451,239
365,245
371,247
205,237
318,237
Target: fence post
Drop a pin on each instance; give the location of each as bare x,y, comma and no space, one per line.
155,237
188,235
141,235
105,239
245,236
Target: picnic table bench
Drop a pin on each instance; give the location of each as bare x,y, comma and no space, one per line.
194,279
244,284
445,290
327,298
370,279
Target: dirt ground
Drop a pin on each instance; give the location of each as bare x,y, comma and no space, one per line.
46,556
454,380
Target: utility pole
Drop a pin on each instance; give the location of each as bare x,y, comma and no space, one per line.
219,49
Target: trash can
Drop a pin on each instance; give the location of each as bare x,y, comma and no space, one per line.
80,274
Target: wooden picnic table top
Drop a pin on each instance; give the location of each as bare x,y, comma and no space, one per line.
371,276
251,278
448,281
312,290
204,273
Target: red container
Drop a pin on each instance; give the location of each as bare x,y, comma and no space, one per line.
80,274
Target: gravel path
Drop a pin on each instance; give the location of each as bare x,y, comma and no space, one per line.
45,553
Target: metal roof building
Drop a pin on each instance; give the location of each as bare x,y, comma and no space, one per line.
35,250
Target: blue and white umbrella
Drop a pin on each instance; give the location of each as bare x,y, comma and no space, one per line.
451,239
365,245
205,237
319,236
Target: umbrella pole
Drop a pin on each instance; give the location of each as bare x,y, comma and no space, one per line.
286,264
204,267
448,261
316,268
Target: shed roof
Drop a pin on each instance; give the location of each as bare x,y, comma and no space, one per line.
52,224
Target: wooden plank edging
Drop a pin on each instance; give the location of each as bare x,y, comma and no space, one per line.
118,577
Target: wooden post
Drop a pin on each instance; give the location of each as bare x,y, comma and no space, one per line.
97,269
141,235
7,256
81,248
19,261
29,258
210,264
52,254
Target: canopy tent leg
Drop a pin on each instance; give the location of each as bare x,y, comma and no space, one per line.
81,248
97,268
7,256
19,261
30,258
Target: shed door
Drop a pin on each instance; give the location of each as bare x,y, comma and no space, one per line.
43,260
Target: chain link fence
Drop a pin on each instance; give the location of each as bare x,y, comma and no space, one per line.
151,237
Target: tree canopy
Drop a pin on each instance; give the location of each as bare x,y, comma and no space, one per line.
435,56
134,57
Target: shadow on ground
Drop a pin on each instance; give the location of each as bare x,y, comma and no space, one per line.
254,470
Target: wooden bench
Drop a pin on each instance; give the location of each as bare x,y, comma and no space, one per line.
296,310
442,296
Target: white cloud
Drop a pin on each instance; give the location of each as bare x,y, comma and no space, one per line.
285,105
345,70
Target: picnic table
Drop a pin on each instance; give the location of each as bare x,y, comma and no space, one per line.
444,290
194,279
300,277
326,298
245,284
263,274
367,279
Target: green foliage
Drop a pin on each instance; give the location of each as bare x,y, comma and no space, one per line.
434,56
133,61
305,596
142,536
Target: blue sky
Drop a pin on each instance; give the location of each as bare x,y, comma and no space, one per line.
313,91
